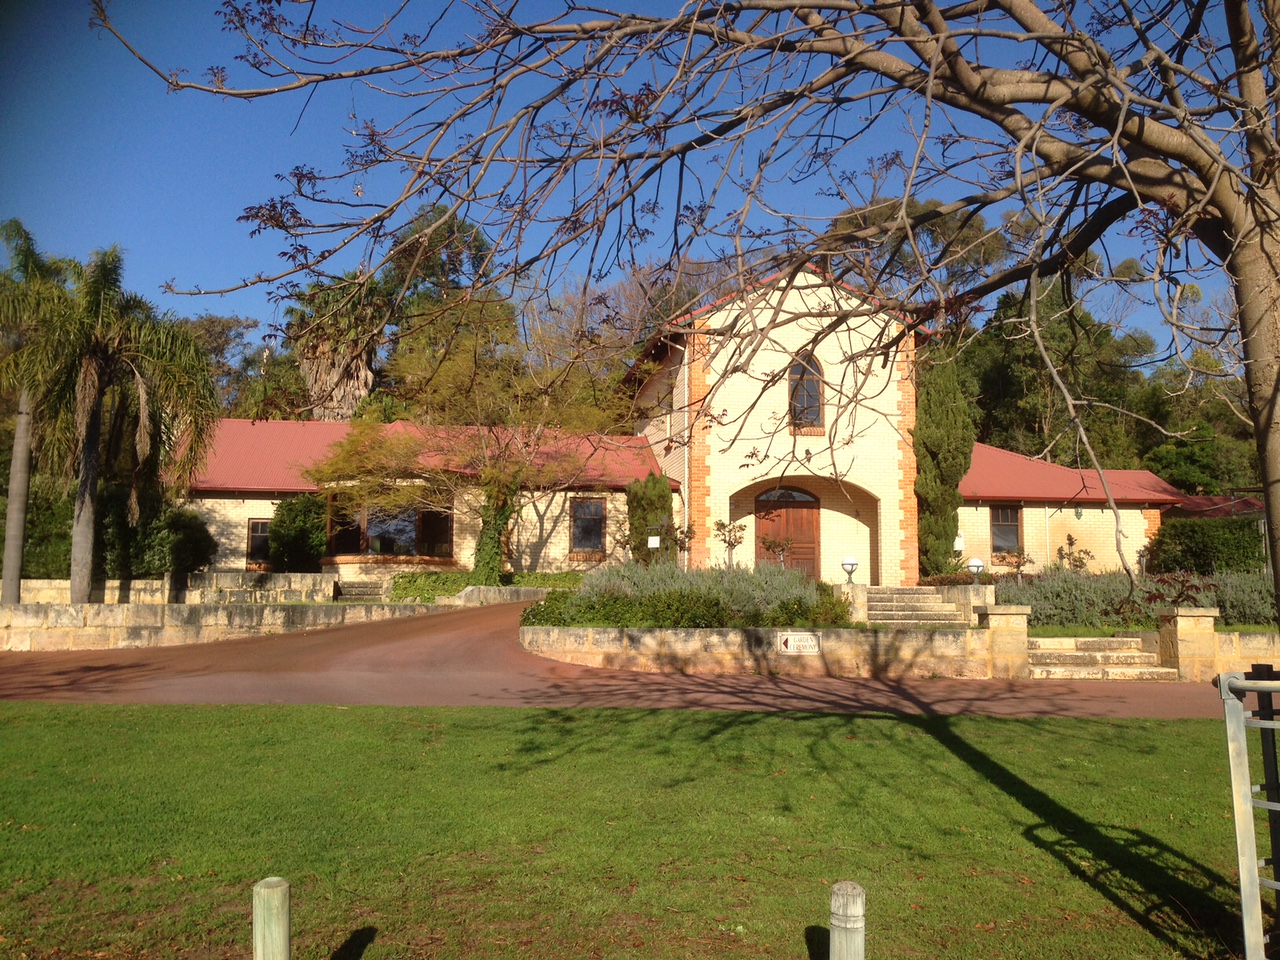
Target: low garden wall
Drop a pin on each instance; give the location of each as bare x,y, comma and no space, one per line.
995,648
96,626
253,587
112,591
482,596
1189,642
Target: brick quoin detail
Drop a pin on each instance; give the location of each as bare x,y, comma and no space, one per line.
910,525
1152,517
699,493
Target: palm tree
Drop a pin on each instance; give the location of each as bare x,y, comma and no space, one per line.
28,289
335,331
102,363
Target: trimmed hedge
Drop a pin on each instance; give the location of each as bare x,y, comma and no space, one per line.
664,596
1207,546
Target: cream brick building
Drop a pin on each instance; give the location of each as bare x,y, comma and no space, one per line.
787,412
784,414
578,524
1018,504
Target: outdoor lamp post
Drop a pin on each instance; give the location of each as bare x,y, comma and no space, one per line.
850,564
975,567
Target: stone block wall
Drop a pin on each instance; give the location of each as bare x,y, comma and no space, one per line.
915,652
91,626
109,592
250,587
1190,642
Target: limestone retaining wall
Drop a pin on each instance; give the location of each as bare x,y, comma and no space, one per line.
112,591
95,626
914,652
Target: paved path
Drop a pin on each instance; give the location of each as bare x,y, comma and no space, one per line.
470,657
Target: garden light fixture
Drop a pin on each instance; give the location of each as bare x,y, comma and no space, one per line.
848,566
975,567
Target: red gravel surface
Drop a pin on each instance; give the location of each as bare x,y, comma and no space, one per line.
471,657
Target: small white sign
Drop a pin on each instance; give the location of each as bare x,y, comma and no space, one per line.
799,643
655,543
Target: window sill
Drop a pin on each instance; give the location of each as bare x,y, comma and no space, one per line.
587,556
817,431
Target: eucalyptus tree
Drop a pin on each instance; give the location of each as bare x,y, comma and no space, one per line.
102,364
28,289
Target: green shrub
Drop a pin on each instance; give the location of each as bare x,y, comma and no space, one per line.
297,536
550,612
665,596
1063,596
1101,601
46,553
177,542
956,579
1206,546
1245,598
649,512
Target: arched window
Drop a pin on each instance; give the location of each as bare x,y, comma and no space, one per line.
790,494
805,383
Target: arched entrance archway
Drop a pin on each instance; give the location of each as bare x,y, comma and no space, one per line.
787,525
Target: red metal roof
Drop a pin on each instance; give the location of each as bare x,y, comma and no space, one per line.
1204,506
271,455
997,474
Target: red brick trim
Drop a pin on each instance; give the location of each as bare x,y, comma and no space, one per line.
698,497
904,369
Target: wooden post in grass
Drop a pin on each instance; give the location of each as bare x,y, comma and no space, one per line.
848,921
271,919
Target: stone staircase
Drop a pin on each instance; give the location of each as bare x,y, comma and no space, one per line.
360,591
1094,658
911,606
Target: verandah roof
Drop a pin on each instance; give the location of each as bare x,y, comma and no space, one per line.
271,456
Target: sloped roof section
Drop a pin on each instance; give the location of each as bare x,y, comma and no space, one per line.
997,474
259,456
1222,506
271,456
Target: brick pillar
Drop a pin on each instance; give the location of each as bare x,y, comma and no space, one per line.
698,496
909,529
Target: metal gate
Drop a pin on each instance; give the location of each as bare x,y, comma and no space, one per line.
1247,797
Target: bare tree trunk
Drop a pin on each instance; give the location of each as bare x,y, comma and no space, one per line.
1255,271
15,523
82,526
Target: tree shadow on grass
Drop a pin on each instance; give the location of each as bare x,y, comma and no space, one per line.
1179,901
1165,892
354,946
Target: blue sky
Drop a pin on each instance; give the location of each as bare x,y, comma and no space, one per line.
97,152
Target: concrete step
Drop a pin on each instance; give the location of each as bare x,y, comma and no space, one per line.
1097,672
903,591
1083,643
914,607
1082,658
359,590
922,616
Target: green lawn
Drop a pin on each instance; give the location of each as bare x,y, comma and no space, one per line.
139,832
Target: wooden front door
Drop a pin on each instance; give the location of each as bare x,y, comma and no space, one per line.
787,526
